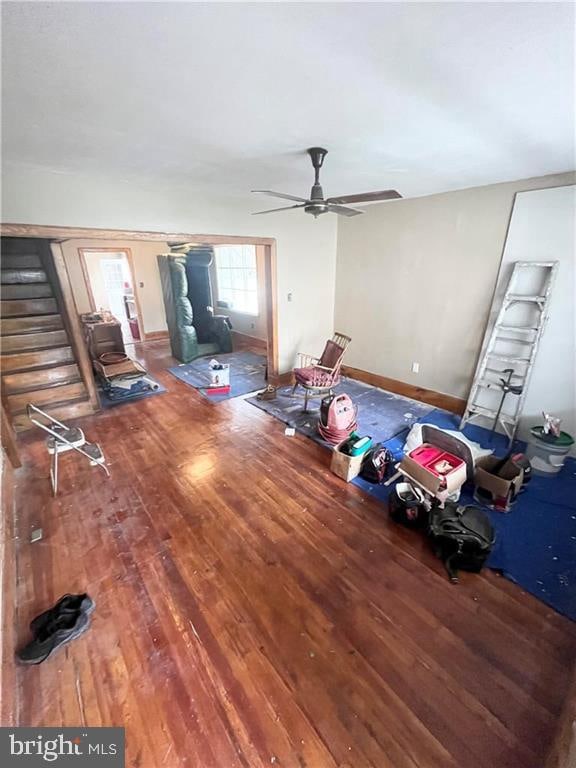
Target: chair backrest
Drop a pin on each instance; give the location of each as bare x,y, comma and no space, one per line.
334,352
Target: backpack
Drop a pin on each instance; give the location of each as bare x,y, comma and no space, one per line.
463,537
376,464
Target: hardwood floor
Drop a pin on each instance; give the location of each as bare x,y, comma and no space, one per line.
252,609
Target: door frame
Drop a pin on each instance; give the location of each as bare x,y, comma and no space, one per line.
128,253
59,234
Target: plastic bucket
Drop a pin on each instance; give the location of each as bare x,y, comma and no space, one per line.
547,454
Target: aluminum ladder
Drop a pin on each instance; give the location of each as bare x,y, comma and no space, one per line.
512,343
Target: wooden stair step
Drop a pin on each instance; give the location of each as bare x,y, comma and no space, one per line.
26,291
18,325
26,381
57,395
65,413
44,358
21,261
20,246
24,307
33,341
11,276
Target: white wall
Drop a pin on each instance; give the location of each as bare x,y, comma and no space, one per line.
543,228
146,276
306,247
415,280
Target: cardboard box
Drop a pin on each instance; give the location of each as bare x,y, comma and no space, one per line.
440,486
346,467
502,488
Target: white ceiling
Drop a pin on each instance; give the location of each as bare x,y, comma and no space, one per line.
422,97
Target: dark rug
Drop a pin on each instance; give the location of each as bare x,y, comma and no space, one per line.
108,402
380,414
247,374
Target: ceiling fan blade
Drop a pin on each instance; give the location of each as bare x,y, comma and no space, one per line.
273,210
342,210
366,197
281,195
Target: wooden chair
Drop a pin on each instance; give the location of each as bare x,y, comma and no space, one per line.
318,376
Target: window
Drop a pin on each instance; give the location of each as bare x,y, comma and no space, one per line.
237,284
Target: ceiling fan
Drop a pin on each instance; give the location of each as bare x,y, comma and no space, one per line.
316,203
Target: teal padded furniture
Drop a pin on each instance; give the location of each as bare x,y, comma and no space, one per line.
194,330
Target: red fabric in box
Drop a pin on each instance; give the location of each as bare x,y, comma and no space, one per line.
429,456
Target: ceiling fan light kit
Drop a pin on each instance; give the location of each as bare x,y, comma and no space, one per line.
317,204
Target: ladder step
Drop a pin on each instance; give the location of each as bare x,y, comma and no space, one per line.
508,358
479,410
521,297
498,372
515,341
515,328
544,264
491,384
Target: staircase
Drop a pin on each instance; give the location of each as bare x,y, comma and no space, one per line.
40,345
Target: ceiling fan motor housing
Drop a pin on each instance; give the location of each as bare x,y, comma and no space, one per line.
316,209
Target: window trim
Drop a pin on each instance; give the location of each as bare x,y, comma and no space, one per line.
217,296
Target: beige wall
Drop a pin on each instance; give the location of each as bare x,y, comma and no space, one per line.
415,279
146,276
306,247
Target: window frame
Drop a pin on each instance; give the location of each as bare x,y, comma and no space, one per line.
217,297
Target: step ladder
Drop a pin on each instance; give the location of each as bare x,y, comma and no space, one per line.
510,347
63,438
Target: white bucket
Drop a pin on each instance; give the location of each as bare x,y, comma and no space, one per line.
546,458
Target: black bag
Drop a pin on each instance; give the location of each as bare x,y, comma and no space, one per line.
463,537
375,464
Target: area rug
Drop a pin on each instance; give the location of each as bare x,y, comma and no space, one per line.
535,542
247,374
380,414
108,402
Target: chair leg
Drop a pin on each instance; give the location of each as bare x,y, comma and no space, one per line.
294,388
306,393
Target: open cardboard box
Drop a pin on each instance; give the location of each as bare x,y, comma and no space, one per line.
346,467
439,486
509,478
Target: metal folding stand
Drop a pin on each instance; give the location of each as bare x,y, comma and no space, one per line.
63,438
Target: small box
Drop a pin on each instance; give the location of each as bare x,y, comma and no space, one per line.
346,467
219,374
421,465
497,491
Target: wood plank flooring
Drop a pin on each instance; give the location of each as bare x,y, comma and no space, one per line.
254,610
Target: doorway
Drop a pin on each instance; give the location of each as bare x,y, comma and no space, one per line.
110,283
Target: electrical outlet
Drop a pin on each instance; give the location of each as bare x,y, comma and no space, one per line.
415,367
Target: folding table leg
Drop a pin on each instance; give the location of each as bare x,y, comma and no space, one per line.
54,473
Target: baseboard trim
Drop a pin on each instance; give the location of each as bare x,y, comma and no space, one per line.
429,396
281,379
253,340
154,335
